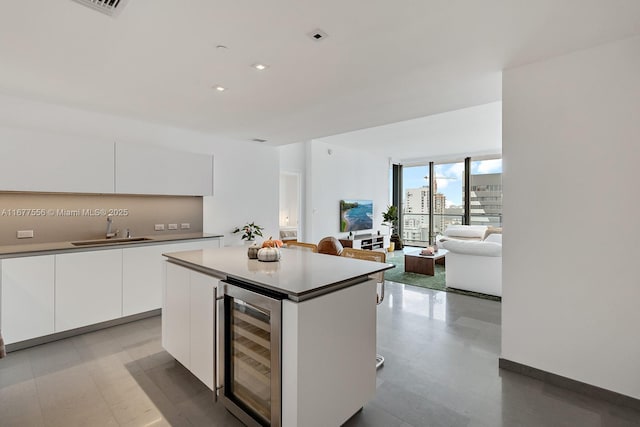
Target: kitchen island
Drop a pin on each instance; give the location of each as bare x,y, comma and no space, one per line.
297,337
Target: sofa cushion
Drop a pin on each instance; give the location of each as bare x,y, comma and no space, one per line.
470,231
496,238
492,230
468,247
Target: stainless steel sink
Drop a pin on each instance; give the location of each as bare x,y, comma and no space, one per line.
109,241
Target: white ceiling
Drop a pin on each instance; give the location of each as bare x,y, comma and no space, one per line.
383,61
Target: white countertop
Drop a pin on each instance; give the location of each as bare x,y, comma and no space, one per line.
299,274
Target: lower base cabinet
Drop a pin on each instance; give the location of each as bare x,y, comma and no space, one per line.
142,278
187,319
44,294
88,288
142,274
27,298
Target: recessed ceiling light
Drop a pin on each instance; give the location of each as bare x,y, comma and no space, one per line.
260,66
220,88
221,46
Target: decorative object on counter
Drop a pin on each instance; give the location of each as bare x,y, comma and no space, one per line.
249,231
252,251
390,218
269,254
272,243
330,246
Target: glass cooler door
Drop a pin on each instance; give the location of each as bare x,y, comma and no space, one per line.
252,382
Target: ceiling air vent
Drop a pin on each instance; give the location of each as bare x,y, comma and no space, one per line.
108,7
317,35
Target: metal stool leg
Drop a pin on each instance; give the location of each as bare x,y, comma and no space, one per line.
379,361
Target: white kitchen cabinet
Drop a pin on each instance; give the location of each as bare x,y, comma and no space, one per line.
27,297
202,292
148,169
187,320
142,278
142,273
328,356
88,288
35,161
176,318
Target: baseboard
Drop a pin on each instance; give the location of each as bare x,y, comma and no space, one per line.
79,331
570,384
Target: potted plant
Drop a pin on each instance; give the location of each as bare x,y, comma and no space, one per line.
249,231
390,218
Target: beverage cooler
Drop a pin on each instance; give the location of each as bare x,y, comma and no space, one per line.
250,354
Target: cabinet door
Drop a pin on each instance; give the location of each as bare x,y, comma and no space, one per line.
33,161
142,274
148,169
27,297
176,320
142,278
202,332
88,288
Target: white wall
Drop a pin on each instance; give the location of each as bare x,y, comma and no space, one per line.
343,174
292,157
571,294
245,174
474,131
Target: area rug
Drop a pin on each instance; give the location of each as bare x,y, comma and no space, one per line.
436,282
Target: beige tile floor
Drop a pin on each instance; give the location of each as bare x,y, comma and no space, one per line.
441,369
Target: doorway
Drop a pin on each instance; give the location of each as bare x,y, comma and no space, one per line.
290,203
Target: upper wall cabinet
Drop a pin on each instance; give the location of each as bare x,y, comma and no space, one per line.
147,169
34,161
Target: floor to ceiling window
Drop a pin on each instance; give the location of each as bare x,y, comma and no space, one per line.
446,203
485,195
414,212
448,206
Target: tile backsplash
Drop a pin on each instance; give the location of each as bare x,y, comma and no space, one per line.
64,217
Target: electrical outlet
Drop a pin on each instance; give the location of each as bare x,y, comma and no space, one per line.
173,226
185,226
159,227
24,234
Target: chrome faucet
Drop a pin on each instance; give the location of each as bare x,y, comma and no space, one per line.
110,234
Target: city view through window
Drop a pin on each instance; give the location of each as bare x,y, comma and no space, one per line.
448,198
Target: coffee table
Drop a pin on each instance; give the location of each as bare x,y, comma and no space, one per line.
423,264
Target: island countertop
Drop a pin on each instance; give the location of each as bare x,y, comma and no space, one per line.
299,274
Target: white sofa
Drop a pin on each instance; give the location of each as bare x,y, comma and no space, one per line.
475,265
463,232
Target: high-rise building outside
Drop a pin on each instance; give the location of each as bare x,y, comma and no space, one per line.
485,197
415,226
